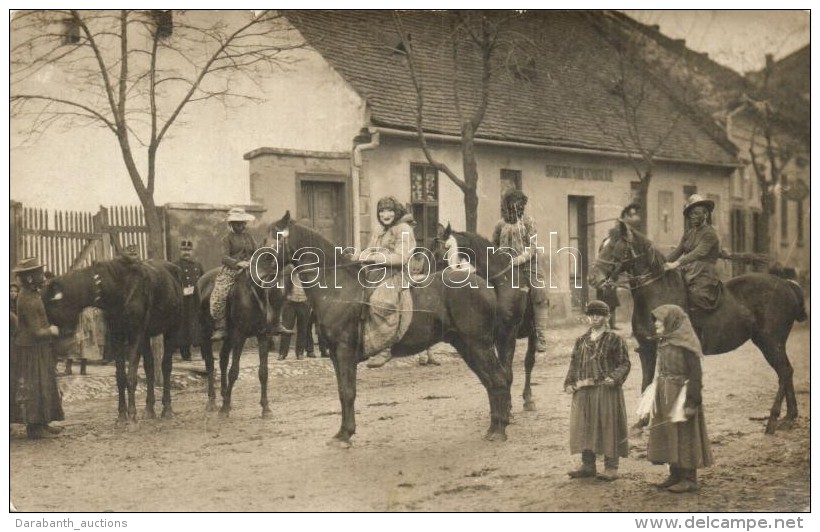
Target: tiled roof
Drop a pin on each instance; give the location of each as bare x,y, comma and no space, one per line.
559,94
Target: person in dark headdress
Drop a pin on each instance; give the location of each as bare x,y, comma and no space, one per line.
516,232
191,271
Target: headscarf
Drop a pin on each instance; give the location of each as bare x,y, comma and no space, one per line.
512,205
677,329
389,202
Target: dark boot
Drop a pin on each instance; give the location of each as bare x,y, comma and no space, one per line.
672,479
68,367
587,468
688,482
610,471
83,364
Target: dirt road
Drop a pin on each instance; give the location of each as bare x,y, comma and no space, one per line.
418,447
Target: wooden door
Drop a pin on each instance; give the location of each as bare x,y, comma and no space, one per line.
322,207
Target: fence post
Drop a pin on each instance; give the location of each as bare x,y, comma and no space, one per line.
16,221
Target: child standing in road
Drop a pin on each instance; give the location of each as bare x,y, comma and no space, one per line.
598,369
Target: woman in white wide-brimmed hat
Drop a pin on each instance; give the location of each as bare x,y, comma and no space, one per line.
35,398
238,247
697,256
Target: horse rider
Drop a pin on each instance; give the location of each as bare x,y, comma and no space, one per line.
516,231
391,245
191,270
631,215
697,256
238,246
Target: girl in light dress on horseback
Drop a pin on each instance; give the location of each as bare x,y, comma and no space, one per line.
392,245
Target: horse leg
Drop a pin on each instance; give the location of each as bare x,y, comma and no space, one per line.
529,363
207,350
122,384
345,359
148,365
233,374
484,363
264,349
774,350
133,368
224,357
167,366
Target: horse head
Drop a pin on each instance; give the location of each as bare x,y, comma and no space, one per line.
627,251
63,305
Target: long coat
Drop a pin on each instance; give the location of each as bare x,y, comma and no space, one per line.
189,326
34,396
683,444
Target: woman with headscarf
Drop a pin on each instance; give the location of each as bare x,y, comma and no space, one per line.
676,437
516,232
391,245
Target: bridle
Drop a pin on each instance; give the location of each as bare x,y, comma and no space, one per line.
635,281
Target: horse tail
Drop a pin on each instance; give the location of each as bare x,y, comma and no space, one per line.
801,301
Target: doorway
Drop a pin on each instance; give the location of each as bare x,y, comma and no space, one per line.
578,211
322,206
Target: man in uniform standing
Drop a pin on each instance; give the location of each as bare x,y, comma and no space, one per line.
191,272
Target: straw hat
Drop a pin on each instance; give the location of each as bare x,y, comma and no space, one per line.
696,200
238,214
28,264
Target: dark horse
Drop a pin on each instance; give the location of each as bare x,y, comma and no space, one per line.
248,310
460,315
515,315
755,306
140,300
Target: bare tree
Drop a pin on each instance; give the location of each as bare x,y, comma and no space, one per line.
473,34
135,73
771,149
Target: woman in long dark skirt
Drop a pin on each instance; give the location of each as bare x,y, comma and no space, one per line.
35,398
597,371
677,436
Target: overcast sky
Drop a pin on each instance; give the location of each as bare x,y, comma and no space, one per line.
734,38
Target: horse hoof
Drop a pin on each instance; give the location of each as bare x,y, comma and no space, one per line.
771,426
786,424
339,444
210,407
167,413
149,414
495,436
529,406
224,412
266,413
121,422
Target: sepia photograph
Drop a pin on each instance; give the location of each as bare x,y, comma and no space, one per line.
410,260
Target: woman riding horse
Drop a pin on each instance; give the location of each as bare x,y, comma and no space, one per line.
697,256
238,247
391,246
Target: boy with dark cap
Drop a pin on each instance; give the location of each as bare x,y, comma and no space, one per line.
597,371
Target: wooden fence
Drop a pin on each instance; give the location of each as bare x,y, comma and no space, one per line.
66,240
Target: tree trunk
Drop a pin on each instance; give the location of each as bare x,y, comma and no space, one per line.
156,236
470,177
643,199
763,229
